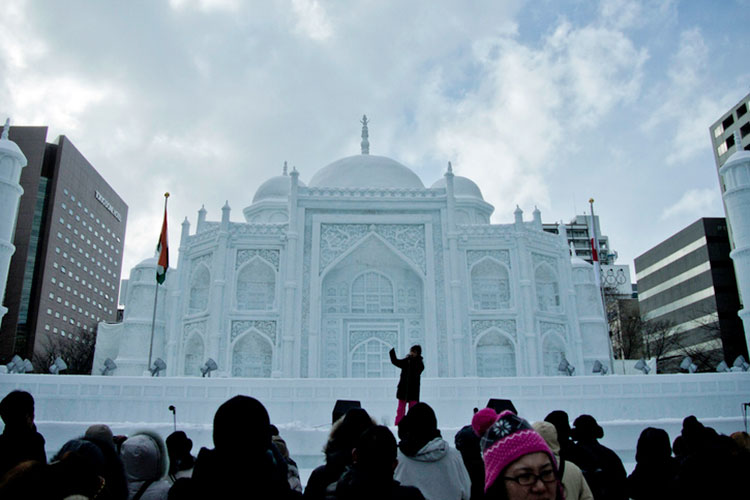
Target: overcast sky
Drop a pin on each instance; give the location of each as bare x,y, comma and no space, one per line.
543,103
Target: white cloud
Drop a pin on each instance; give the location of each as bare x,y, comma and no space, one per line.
312,20
530,104
687,101
206,5
694,203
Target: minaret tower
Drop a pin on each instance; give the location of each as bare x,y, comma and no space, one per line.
12,160
736,175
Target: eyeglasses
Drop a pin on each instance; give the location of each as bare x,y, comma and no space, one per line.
529,478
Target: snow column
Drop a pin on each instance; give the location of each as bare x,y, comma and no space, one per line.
290,285
736,175
12,160
174,330
571,302
218,285
527,330
456,331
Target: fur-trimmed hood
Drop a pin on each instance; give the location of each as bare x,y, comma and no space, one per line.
144,456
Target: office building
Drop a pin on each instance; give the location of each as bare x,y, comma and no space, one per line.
579,236
688,283
64,275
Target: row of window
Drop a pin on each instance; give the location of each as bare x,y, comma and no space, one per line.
70,335
91,215
373,292
104,257
85,269
495,357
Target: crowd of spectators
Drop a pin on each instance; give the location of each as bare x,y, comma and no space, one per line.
496,456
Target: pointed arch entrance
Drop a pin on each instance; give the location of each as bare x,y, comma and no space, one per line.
372,299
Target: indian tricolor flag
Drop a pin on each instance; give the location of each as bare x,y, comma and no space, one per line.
162,251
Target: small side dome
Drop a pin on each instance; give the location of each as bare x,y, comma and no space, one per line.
275,188
463,187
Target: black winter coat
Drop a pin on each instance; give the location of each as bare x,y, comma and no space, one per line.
219,476
18,445
358,484
411,370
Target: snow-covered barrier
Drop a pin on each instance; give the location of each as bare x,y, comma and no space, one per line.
624,405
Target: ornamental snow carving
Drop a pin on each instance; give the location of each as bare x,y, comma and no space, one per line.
194,327
269,255
390,337
409,239
480,326
473,256
267,327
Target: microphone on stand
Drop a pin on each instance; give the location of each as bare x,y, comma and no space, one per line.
174,416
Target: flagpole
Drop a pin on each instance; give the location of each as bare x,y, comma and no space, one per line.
156,295
598,274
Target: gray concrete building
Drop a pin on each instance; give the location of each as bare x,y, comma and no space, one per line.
579,236
64,275
688,282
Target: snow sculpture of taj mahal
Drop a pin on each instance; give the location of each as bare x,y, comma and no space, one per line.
321,280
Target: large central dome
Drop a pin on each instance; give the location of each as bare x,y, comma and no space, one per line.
366,171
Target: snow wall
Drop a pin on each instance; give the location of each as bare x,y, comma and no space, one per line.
623,404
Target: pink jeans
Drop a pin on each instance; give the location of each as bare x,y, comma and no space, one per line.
401,410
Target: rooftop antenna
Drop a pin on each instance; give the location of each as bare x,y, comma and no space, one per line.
365,136
6,127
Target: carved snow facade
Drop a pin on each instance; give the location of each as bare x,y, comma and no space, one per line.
323,281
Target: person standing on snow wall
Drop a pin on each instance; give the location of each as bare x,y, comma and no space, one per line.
412,367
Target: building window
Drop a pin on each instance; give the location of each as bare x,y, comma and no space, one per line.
193,356
496,356
490,285
372,292
256,286
251,357
547,289
741,110
370,359
553,353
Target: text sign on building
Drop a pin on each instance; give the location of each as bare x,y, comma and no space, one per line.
101,199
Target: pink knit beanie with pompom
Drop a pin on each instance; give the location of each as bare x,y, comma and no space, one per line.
504,439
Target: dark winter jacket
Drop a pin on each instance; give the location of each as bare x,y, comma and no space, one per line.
467,442
608,480
357,484
18,445
411,370
219,476
656,470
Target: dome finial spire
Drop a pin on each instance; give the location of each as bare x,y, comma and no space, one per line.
284,171
365,136
737,140
6,127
